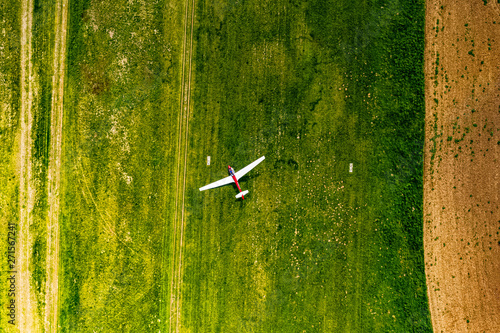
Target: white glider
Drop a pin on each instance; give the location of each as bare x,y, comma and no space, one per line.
233,178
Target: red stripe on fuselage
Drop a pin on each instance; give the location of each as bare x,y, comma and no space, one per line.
236,181
231,172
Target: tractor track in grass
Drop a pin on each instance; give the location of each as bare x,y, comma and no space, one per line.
25,298
30,318
54,169
181,158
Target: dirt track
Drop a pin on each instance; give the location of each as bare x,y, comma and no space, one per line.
26,303
462,177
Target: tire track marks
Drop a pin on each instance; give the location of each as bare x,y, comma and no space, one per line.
30,318
181,171
54,169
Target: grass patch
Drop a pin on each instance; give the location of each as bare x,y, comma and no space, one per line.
314,247
121,103
9,126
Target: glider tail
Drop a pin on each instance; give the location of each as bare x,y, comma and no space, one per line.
241,195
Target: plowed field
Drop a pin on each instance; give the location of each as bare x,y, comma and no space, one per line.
462,175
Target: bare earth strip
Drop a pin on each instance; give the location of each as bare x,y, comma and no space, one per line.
179,222
27,318
52,287
462,176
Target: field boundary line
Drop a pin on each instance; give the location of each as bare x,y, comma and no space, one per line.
26,315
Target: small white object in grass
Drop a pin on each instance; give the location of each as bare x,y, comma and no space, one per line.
208,160
350,167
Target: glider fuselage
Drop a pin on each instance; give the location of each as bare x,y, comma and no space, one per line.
231,172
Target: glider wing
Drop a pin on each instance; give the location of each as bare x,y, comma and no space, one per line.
249,167
222,182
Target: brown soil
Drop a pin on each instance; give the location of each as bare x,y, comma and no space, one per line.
462,177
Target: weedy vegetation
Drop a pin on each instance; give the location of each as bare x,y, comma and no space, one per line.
9,118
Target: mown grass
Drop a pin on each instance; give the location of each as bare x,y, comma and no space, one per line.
313,87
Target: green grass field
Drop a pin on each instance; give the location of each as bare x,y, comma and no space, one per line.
313,87
150,92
